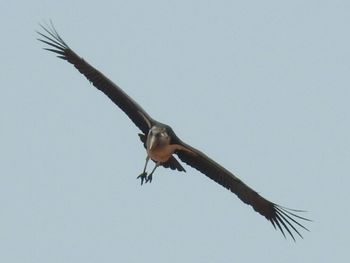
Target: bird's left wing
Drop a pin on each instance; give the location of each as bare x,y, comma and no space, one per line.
134,111
280,217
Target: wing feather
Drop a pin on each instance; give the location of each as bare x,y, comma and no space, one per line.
133,110
283,218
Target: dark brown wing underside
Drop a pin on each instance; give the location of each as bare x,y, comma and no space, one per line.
283,218
134,111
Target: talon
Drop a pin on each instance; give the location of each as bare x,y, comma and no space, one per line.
149,179
143,177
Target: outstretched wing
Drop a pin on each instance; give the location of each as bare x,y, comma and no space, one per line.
281,217
135,112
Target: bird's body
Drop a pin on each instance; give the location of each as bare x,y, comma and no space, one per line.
158,145
162,144
160,151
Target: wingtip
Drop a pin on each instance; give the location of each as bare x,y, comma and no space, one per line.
286,219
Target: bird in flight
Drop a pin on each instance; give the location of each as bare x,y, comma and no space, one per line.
162,144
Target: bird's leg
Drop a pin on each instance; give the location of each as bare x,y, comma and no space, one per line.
143,176
149,178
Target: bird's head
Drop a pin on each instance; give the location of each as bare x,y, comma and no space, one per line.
158,136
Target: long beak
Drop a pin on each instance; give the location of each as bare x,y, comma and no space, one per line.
152,143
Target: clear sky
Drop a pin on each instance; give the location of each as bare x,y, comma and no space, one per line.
260,86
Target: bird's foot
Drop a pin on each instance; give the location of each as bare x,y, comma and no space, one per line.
143,177
149,178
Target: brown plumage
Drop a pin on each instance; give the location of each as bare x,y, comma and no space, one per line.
281,218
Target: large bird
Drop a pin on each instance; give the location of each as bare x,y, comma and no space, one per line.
161,142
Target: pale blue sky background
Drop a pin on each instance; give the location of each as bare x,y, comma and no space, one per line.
261,86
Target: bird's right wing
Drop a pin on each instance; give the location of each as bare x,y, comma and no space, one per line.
134,111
